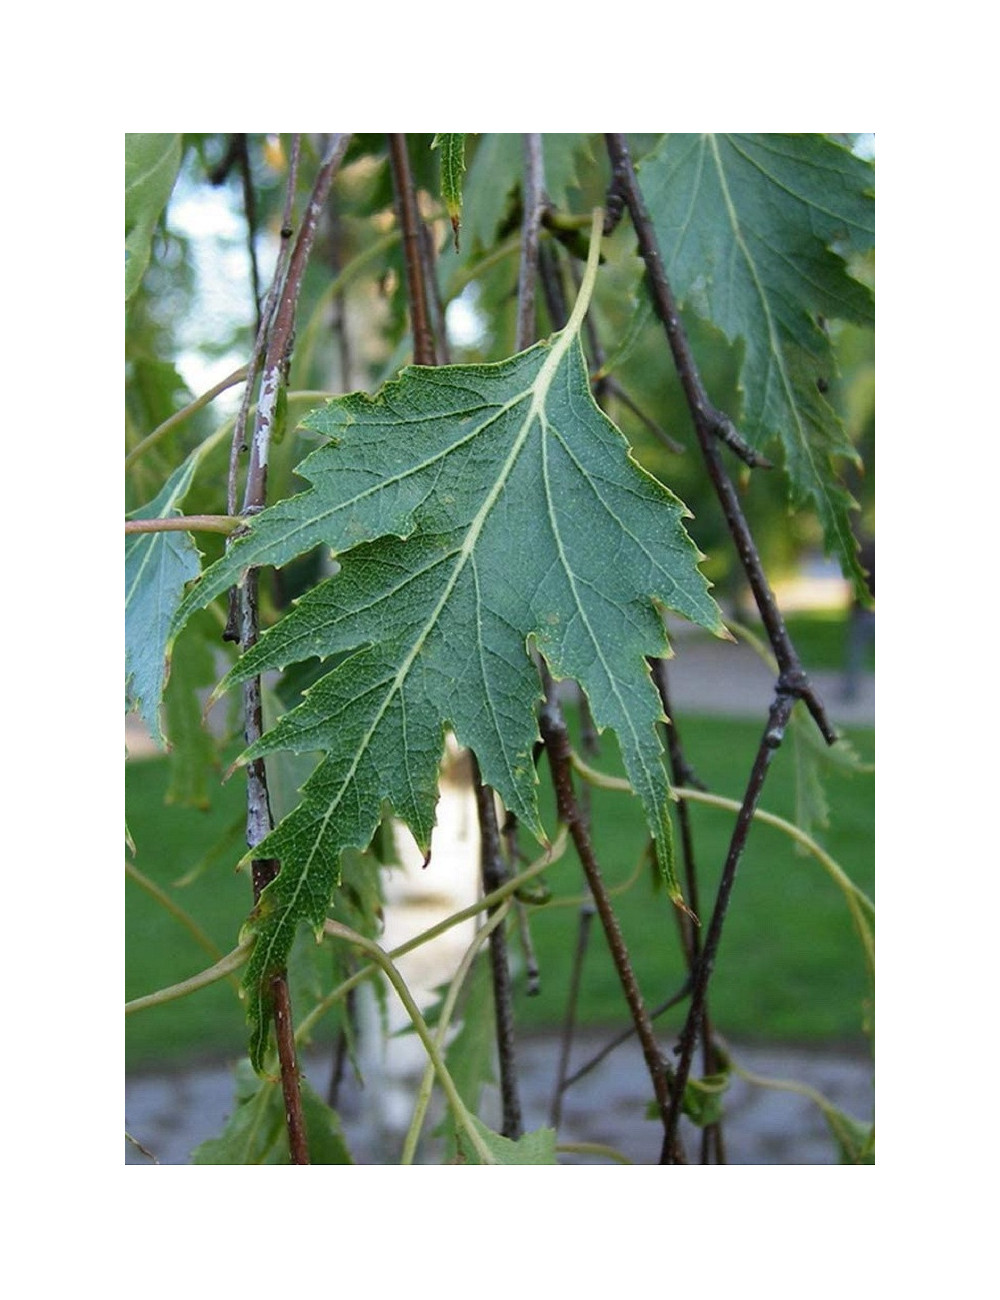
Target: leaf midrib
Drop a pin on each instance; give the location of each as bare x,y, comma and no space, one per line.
538,391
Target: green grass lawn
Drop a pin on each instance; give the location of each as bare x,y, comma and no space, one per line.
789,967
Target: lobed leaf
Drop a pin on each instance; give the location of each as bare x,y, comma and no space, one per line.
479,513
754,230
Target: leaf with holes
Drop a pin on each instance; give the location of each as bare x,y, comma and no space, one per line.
479,512
754,232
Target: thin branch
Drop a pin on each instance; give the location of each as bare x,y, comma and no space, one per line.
186,524
220,971
280,327
178,417
681,773
774,732
484,933
710,424
177,912
534,203
557,746
625,1035
265,315
493,871
284,1033
409,220
553,854
250,208
587,913
611,385
381,959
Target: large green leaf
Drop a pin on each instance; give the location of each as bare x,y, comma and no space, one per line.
157,567
754,230
151,166
478,511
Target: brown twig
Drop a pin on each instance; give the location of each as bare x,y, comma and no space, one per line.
278,324
284,1033
711,424
534,204
682,774
410,224
774,732
494,873
587,913
557,746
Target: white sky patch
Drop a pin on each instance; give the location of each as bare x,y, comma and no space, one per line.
463,319
223,297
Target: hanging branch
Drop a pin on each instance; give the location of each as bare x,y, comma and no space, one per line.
409,222
557,746
279,327
774,733
710,423
534,203
682,774
587,913
239,444
494,873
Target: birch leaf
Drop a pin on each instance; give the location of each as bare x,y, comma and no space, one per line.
151,166
477,512
754,230
452,148
157,568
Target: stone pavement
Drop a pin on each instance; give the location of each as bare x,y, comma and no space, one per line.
171,1113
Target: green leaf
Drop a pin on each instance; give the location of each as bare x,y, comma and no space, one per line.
194,751
538,1148
703,1098
256,1134
754,230
814,759
157,568
452,169
151,166
496,170
855,1139
478,511
471,1052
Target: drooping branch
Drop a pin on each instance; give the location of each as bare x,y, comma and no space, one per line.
682,774
265,316
557,746
494,873
424,353
178,417
534,203
774,733
711,424
278,323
